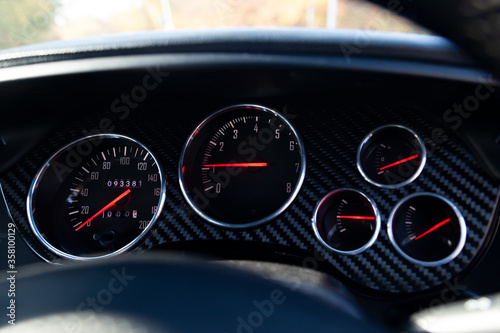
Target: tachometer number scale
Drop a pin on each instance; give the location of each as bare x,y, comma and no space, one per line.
242,166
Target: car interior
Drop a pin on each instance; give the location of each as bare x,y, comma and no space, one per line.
255,179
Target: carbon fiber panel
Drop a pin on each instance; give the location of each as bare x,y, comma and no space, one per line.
331,133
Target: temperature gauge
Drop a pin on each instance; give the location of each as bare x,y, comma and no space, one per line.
346,221
427,229
391,156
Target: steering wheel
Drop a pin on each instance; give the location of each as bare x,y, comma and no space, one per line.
174,294
472,24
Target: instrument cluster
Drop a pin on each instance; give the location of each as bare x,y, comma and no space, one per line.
240,167
375,201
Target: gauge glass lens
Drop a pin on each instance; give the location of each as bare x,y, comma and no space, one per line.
427,229
346,221
96,197
242,166
391,156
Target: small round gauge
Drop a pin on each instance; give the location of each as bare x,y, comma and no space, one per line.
427,229
391,156
346,221
242,166
96,197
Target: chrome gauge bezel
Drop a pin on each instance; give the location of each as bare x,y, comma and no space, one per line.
34,185
268,218
447,259
366,140
377,222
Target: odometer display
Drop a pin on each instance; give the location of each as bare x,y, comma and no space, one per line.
242,166
96,197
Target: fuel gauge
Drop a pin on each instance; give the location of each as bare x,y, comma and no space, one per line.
427,229
391,156
346,221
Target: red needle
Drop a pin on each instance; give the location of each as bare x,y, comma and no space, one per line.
356,217
399,162
104,208
440,224
241,165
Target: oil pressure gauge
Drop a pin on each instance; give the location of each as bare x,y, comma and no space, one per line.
427,229
391,156
346,221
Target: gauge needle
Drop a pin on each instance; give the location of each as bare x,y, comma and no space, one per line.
112,203
440,224
241,165
355,217
399,162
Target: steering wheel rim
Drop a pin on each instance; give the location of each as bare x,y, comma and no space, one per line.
154,293
472,24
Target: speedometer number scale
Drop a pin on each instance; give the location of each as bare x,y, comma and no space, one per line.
96,197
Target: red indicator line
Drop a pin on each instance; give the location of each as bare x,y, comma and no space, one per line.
440,224
356,217
241,165
399,162
112,203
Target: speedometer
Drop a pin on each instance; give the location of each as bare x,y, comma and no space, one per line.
96,197
242,166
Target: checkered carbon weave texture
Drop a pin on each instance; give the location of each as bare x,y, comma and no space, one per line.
331,133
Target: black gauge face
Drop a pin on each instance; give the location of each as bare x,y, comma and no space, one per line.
242,166
391,156
427,229
346,221
96,197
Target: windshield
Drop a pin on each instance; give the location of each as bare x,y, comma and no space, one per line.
24,22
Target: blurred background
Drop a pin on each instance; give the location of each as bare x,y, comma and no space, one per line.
25,22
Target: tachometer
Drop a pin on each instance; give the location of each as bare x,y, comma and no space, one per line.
96,197
242,166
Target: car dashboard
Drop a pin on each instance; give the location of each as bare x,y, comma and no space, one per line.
158,91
